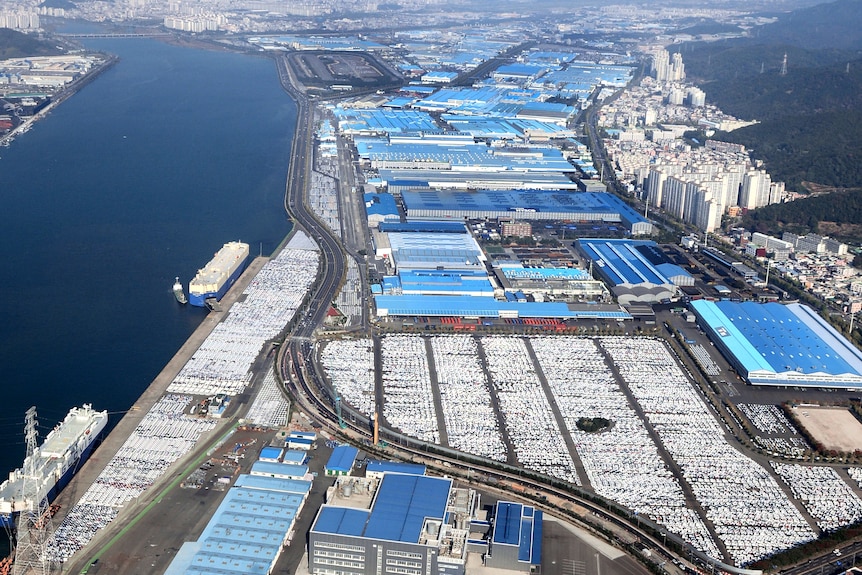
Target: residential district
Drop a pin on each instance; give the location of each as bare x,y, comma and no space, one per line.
495,367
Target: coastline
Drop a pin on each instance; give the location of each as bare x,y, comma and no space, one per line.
58,99
130,420
117,436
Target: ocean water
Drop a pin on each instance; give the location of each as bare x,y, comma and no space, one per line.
136,179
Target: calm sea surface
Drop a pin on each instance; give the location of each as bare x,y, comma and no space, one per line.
140,177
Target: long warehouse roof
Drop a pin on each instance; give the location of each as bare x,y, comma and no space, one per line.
780,343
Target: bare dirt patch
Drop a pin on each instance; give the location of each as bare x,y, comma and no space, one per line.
834,427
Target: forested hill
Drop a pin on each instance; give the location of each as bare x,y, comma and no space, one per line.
815,82
838,214
824,26
820,148
16,45
810,130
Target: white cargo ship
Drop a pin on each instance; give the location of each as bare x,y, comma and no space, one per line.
63,452
220,273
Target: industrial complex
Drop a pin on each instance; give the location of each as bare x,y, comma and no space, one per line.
410,524
467,285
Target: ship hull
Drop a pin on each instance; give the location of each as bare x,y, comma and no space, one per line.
181,297
91,439
199,299
8,521
70,473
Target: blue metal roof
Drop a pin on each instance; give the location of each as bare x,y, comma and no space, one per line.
571,274
471,306
521,525
278,469
423,226
342,458
381,204
582,205
518,69
671,271
246,533
300,486
402,504
394,466
270,453
622,262
781,343
507,523
292,456
440,282
341,520
299,441
383,120
536,549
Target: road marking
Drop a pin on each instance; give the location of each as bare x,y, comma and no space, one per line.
574,567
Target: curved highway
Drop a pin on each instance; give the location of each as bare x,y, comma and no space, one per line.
297,366
332,257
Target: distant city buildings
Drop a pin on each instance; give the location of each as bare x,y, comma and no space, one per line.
19,20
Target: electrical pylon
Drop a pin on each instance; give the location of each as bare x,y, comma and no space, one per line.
34,528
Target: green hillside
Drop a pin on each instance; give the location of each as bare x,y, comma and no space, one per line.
838,214
745,80
810,130
16,45
824,149
824,26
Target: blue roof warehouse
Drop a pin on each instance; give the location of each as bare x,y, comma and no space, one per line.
416,525
776,344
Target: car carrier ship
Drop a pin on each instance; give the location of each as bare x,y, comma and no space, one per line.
60,456
213,281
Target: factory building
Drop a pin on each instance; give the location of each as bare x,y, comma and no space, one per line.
400,181
379,208
248,531
438,282
635,271
569,283
414,525
271,454
485,307
382,153
341,461
524,205
429,250
376,469
279,470
781,345
516,542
